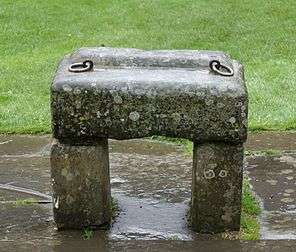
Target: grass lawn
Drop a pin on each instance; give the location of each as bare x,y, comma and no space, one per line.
36,34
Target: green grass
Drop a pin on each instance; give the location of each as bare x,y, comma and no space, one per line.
250,210
36,34
187,144
22,202
87,233
267,152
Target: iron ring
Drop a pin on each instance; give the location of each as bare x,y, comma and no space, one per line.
80,67
216,67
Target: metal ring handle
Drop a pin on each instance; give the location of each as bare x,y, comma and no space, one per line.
80,67
216,67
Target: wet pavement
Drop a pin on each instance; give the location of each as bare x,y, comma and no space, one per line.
284,141
273,179
151,182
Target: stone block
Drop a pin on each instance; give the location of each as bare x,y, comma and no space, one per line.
81,185
133,93
216,187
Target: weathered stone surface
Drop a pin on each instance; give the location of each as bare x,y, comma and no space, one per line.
133,93
81,185
216,187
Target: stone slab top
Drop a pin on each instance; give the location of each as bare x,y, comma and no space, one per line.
107,57
164,69
132,93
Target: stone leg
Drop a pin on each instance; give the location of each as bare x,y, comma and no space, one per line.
216,187
81,185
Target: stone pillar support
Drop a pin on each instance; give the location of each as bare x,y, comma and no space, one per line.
216,187
81,185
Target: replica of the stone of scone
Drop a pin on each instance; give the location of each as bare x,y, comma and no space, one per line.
101,93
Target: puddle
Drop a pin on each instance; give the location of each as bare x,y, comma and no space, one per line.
149,219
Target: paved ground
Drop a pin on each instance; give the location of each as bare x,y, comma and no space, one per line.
273,179
152,191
